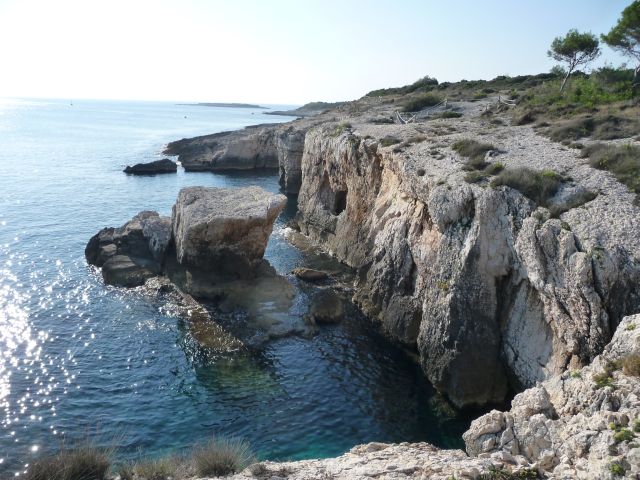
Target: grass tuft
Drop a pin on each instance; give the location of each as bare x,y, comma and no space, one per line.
538,185
418,103
623,161
83,463
474,152
221,456
631,365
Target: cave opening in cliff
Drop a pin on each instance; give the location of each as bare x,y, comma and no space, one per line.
340,202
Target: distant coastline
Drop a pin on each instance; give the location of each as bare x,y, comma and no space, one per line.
225,105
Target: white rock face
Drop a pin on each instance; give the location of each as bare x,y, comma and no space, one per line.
481,281
570,426
223,225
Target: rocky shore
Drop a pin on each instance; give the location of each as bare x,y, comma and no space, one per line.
494,291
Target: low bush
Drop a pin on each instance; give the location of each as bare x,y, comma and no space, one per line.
575,201
597,127
220,456
388,141
623,435
537,185
164,468
474,151
82,463
631,365
449,114
340,129
502,474
420,102
475,176
616,469
621,160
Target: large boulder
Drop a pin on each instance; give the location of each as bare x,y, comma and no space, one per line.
132,253
223,229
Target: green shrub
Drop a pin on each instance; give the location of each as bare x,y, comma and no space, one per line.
340,129
474,151
622,161
494,168
623,435
575,201
476,176
388,141
537,185
502,474
616,469
636,426
82,463
420,102
631,326
157,469
631,365
449,114
221,456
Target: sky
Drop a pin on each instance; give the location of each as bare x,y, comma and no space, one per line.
276,51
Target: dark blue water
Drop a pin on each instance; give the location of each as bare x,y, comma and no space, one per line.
79,359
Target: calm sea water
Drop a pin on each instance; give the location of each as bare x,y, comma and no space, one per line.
79,359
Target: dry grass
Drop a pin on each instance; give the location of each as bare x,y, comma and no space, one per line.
474,152
631,365
420,102
623,161
537,185
83,463
220,456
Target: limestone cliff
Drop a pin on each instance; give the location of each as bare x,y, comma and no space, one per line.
482,281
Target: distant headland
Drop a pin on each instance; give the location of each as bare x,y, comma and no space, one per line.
225,105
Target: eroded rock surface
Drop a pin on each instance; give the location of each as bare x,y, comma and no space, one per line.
482,282
131,254
578,424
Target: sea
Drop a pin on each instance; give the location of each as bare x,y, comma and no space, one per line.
84,362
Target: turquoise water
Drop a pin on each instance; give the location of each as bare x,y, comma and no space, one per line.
79,359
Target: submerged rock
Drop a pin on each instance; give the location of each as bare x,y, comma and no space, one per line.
326,307
223,229
131,254
309,274
151,168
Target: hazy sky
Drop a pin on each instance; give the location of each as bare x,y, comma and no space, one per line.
276,51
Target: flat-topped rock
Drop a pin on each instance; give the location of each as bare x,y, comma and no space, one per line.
151,168
223,228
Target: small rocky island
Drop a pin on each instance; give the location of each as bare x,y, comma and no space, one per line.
165,165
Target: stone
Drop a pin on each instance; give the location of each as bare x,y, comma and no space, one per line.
132,253
309,274
326,307
151,168
223,229
481,282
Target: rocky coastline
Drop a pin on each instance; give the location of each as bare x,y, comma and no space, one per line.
493,291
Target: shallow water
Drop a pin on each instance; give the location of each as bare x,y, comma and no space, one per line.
80,359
